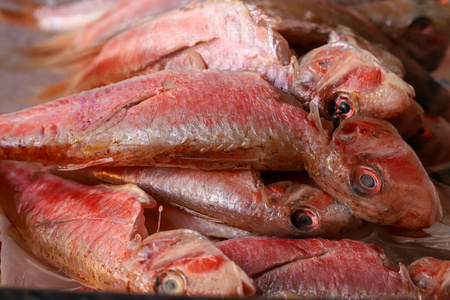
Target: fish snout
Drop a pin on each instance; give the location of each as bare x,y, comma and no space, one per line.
420,207
390,99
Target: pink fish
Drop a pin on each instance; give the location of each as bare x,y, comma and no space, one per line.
283,209
432,276
319,268
226,120
97,236
431,142
233,36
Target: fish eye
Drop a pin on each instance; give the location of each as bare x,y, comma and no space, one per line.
170,283
424,132
421,26
367,180
304,218
340,107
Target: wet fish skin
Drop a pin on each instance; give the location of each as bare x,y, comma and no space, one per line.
320,268
220,196
97,236
190,118
432,276
224,120
224,26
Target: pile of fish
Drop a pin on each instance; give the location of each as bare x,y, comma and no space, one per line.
232,148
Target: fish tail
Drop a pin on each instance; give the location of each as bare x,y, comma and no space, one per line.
23,18
54,46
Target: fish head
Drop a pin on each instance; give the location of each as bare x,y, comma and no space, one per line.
311,212
379,176
183,262
425,33
344,80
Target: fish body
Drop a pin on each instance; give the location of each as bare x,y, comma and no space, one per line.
362,82
97,236
226,120
319,268
240,199
433,276
123,15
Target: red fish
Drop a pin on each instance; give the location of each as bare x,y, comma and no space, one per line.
431,142
97,236
432,276
283,209
307,24
319,268
225,120
336,75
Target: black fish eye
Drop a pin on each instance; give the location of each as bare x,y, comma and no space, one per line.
421,25
344,108
304,218
339,107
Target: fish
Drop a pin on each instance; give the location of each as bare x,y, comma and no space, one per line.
226,120
72,50
307,24
431,275
282,209
431,142
62,17
422,29
361,85
96,235
320,268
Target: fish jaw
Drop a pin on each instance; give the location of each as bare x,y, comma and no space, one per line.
341,68
400,193
183,262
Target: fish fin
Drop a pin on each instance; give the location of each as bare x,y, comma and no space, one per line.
23,18
197,214
196,60
314,116
57,55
